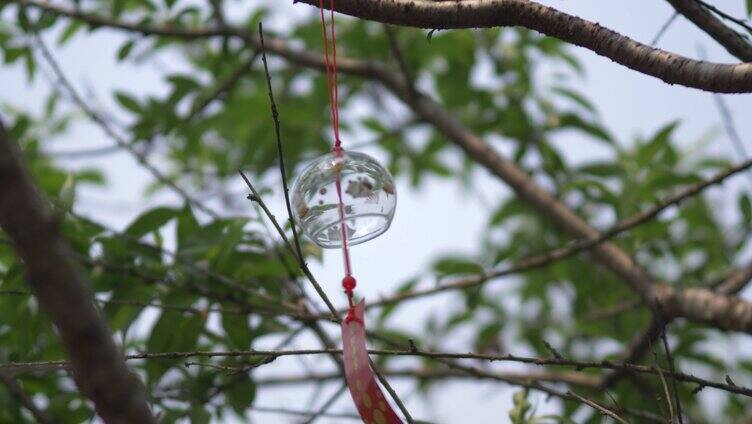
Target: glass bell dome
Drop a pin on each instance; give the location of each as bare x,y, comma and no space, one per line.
368,196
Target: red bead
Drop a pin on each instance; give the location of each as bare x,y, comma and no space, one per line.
348,283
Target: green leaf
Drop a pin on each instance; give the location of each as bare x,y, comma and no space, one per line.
602,169
238,330
199,415
389,309
660,141
513,207
128,102
457,266
70,30
745,207
125,50
571,120
173,332
575,97
241,394
68,191
151,220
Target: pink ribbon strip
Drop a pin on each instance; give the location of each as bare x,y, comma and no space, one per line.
366,393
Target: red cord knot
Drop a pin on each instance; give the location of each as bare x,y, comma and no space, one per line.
352,317
349,283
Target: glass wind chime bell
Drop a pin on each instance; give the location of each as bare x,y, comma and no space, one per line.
342,199
344,195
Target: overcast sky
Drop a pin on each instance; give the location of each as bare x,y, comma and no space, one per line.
438,219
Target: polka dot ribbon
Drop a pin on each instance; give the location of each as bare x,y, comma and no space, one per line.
369,399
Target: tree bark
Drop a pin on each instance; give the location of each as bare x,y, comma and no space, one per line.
669,67
731,40
443,14
98,365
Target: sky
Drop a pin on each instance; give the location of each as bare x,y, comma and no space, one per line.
441,217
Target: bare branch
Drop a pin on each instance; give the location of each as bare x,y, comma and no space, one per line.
670,360
297,252
598,407
663,29
567,377
562,362
670,67
735,281
741,22
329,402
222,88
731,40
286,411
98,366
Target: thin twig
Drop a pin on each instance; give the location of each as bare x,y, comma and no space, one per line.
728,120
275,116
663,29
84,153
221,89
666,393
576,378
394,47
741,22
286,411
393,393
670,360
598,407
564,362
107,128
329,402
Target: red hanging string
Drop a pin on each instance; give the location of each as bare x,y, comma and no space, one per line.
369,400
331,73
349,282
337,141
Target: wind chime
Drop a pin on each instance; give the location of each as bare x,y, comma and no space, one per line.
342,199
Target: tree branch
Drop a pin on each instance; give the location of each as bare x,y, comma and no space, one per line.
566,377
562,362
669,67
17,391
98,366
598,407
731,40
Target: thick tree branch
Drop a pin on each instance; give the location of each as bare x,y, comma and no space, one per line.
98,366
731,40
671,68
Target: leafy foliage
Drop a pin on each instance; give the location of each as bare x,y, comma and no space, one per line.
176,279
